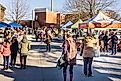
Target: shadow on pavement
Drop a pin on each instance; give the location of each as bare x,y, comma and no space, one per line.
113,56
57,40
53,40
41,47
34,73
107,62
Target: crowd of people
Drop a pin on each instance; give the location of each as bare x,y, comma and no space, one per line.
14,41
90,46
108,42
44,35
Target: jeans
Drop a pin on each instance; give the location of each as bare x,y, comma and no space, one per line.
48,47
6,61
23,61
41,39
114,48
88,65
36,37
13,59
105,47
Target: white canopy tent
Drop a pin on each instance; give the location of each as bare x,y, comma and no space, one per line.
101,18
100,21
69,23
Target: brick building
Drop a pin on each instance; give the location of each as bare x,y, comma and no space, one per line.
2,12
44,17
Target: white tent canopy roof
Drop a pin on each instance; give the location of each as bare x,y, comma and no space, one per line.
101,18
67,24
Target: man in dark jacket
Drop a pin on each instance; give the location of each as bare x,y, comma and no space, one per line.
114,40
14,49
105,41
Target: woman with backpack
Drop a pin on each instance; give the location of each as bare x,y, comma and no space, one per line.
5,51
69,51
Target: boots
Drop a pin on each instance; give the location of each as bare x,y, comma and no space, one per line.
71,77
21,67
64,76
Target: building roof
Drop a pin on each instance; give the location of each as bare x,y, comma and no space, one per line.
41,10
102,18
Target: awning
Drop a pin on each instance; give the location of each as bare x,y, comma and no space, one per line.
15,25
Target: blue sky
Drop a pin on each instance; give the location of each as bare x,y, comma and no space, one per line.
57,4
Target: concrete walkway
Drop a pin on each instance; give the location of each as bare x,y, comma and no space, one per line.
41,66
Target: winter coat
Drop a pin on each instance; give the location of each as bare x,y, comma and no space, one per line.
48,39
70,51
24,47
5,49
114,39
14,48
42,34
89,44
105,39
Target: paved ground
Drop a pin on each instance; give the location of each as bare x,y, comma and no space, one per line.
41,66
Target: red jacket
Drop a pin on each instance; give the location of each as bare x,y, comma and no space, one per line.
5,49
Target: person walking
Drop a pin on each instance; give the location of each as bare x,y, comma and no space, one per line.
105,42
24,48
88,54
114,40
101,43
5,51
41,35
48,41
37,34
14,50
69,51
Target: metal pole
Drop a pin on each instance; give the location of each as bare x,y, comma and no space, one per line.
32,23
32,19
51,5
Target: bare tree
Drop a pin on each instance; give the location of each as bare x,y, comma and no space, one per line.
18,10
87,8
113,14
